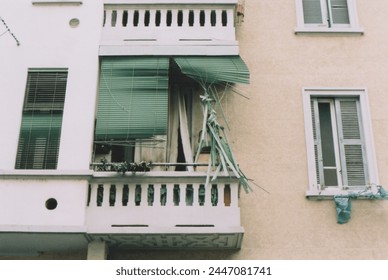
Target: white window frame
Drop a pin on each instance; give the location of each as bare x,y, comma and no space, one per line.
314,189
353,27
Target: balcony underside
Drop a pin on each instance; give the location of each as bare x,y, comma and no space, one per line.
13,244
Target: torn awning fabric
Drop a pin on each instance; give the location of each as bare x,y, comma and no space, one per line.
214,69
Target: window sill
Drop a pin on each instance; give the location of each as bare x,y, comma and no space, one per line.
350,31
330,193
56,2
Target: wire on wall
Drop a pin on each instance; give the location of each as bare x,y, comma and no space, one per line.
8,30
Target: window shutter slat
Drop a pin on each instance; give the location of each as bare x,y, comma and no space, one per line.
312,11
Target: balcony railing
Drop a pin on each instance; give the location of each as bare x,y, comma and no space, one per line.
172,25
169,202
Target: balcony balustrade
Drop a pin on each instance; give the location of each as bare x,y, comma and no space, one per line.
168,25
160,203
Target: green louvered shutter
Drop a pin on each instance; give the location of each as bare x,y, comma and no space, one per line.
214,69
339,12
133,98
317,142
351,143
312,11
42,120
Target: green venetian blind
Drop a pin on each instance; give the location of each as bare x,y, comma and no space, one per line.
214,69
42,120
133,98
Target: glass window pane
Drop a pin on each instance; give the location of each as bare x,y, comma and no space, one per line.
328,150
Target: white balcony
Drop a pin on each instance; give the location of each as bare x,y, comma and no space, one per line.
169,29
164,209
142,210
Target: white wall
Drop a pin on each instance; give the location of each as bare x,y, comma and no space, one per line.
23,204
47,40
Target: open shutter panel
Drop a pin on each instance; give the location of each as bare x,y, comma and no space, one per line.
351,143
317,142
312,11
133,98
339,11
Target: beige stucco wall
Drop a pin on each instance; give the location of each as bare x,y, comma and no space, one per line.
269,137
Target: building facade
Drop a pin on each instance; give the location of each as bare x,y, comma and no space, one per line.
222,129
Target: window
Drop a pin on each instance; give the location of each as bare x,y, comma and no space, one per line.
146,106
42,119
327,16
340,150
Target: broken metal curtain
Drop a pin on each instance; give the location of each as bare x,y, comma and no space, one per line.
214,69
133,98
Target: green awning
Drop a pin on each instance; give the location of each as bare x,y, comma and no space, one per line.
133,98
214,69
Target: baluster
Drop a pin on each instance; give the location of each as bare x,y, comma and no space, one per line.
152,18
93,195
141,18
130,18
220,188
170,195
108,19
163,18
144,194
182,193
174,18
105,195
229,17
119,19
131,195
196,18
208,18
233,195
218,17
185,17
157,188
208,199
195,194
119,195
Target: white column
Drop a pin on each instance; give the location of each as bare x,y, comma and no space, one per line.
97,250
